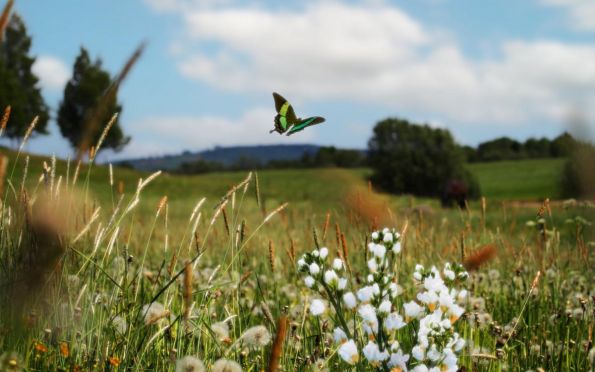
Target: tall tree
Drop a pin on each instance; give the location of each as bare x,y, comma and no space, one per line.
82,94
18,83
417,159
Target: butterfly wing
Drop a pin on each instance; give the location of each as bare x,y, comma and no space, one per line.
305,123
286,117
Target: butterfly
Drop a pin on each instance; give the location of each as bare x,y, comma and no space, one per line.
286,121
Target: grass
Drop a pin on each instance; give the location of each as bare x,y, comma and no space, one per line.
71,281
533,179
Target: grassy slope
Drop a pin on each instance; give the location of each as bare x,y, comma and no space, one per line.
520,180
507,180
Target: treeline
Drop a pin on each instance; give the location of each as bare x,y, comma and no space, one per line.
505,148
325,157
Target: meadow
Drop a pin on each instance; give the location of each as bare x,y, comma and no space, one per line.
106,269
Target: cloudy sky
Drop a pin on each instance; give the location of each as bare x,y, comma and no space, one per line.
480,68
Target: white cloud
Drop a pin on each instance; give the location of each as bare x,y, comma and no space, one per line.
202,132
379,54
582,12
52,72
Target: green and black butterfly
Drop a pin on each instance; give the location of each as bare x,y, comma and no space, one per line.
286,121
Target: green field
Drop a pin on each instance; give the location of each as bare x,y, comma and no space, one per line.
519,180
77,288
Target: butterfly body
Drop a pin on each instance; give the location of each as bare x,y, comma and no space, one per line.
287,122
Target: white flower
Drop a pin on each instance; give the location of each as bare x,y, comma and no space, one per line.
449,360
397,247
417,276
387,238
454,312
153,313
316,253
421,368
429,298
449,274
330,277
189,364
399,360
337,264
348,352
221,331
395,289
379,250
394,321
314,268
309,281
224,365
120,325
342,283
323,252
339,335
462,295
257,336
433,354
434,283
317,307
385,307
412,309
370,278
301,263
373,354
372,265
365,294
349,300
375,235
418,353
368,314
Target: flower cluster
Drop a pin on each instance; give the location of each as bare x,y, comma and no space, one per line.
383,316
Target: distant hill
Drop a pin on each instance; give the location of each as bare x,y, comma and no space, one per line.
224,155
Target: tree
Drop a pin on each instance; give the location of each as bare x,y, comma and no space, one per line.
18,83
416,159
81,97
503,148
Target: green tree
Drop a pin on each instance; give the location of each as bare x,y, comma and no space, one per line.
18,84
416,159
82,94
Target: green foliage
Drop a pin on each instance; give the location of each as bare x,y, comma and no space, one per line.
18,83
415,159
505,148
82,94
578,176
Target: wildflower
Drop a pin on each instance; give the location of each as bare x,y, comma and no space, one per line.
64,350
399,360
120,325
331,278
384,307
397,247
153,312
348,352
323,252
314,268
342,284
368,314
317,307
301,263
394,321
40,348
189,364
115,361
373,354
418,352
412,309
337,264
365,294
221,331
339,335
375,235
225,365
373,265
257,336
309,281
349,300
379,251
387,238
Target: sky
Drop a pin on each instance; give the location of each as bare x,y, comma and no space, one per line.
482,69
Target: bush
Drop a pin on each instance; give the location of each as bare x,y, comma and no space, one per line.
417,159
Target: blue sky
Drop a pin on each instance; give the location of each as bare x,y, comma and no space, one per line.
479,68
